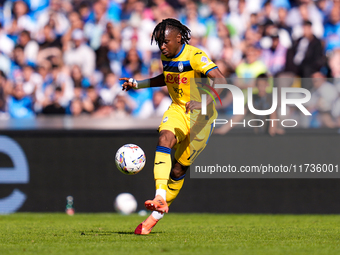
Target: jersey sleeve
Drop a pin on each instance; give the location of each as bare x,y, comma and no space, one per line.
200,62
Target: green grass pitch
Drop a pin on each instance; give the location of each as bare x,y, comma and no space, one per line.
56,233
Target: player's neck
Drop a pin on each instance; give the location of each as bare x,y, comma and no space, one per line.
179,51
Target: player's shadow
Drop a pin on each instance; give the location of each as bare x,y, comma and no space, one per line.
131,233
124,233
106,233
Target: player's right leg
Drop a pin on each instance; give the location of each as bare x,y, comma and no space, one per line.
174,185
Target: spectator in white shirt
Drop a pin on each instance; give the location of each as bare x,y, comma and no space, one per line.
81,54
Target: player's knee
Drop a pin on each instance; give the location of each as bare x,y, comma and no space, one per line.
163,140
167,139
178,170
177,173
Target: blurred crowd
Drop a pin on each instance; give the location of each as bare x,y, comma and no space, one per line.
66,56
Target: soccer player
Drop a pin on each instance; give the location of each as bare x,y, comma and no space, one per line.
183,119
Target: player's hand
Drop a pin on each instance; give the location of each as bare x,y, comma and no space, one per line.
128,84
192,105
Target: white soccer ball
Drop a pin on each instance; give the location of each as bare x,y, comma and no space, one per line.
130,159
125,203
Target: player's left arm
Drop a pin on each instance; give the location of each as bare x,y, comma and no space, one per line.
218,78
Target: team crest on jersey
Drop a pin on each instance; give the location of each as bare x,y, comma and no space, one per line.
180,66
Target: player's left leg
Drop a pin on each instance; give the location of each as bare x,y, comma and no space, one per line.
173,129
162,168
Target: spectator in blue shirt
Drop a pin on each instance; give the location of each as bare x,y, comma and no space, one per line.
19,105
332,30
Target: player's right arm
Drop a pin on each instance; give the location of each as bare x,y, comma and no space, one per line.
129,83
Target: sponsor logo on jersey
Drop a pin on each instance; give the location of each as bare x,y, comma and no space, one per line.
165,119
179,92
175,79
204,59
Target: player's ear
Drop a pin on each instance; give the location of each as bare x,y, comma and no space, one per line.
179,38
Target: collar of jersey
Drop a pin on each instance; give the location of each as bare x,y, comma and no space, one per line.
179,53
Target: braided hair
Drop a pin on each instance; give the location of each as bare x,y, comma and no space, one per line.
170,23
